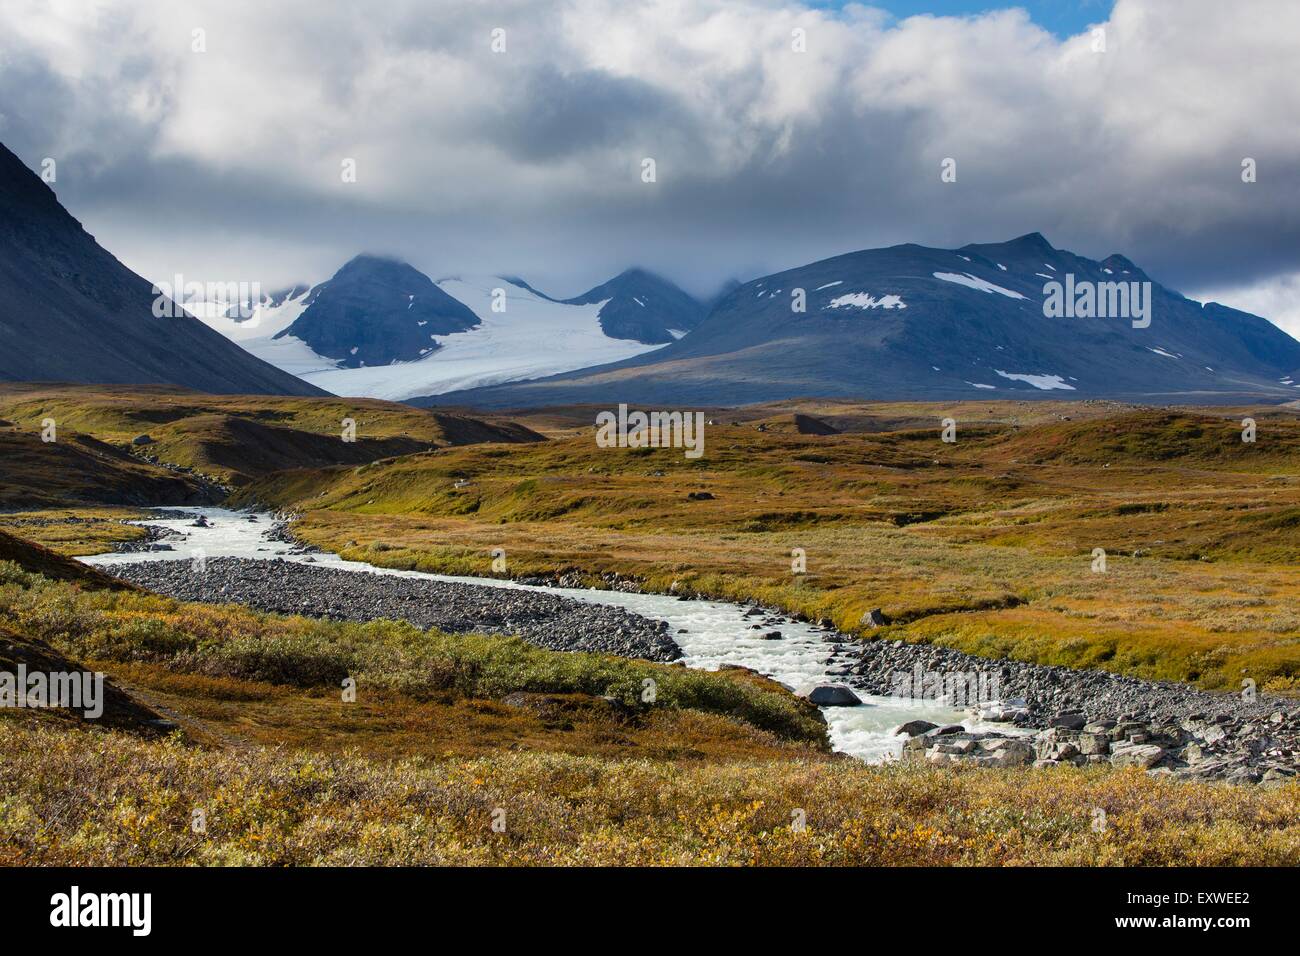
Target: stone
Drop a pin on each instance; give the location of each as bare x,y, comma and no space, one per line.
1092,744
875,618
142,440
1122,730
1056,744
1213,734
1068,721
829,695
1014,753
914,728
1003,713
1143,756
956,746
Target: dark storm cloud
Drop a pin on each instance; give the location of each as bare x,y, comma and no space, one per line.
529,161
557,114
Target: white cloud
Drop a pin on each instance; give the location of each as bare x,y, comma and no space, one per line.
529,160
1276,299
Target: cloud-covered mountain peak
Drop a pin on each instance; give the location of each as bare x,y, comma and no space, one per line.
376,311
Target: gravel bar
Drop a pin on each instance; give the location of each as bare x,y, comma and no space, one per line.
286,587
1051,690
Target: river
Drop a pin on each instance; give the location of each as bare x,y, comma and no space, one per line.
710,633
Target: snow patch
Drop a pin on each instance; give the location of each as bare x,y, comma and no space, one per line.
829,285
1043,382
971,282
864,300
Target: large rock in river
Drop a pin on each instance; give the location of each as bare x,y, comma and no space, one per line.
829,695
914,728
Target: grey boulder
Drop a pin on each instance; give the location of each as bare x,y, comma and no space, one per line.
829,695
914,728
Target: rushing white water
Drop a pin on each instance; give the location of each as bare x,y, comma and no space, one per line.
712,633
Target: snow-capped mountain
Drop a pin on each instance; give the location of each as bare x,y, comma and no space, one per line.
911,322
377,311
464,332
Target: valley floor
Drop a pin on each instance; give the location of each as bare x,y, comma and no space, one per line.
1150,543
985,545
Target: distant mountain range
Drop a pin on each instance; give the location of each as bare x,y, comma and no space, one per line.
915,323
379,328
70,312
1012,319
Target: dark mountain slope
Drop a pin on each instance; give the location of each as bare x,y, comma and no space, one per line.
642,306
79,468
911,322
121,710
71,312
38,559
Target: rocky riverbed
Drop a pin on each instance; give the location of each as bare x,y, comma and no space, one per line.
1238,751
1060,715
1083,716
546,620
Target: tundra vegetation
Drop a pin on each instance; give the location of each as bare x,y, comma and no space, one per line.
985,544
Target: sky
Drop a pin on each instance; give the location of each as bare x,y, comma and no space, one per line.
209,139
1062,17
